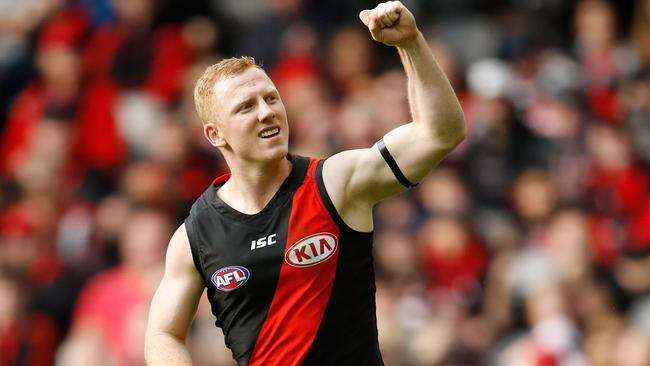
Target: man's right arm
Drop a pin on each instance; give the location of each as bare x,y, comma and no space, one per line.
173,306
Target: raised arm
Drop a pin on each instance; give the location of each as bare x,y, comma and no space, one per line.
173,306
358,179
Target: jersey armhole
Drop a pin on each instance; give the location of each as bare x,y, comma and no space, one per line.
189,229
328,201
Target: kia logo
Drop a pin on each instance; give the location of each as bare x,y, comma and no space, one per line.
311,250
230,278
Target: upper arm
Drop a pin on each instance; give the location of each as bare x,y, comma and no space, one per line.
358,179
176,299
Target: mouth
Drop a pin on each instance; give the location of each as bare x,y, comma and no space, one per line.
269,133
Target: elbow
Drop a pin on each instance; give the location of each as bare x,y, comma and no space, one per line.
453,132
459,125
149,347
153,342
444,130
458,134
162,345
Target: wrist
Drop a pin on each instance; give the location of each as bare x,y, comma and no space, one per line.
412,43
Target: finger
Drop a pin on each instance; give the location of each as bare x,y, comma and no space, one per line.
375,21
393,15
375,28
377,13
391,12
389,18
385,21
365,17
381,9
393,6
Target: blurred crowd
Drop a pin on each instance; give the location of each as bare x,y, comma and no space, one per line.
529,245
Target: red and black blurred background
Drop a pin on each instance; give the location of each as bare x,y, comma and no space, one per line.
529,245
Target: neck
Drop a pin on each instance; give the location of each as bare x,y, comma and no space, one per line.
251,186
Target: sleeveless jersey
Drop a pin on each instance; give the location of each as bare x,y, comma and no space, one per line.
292,284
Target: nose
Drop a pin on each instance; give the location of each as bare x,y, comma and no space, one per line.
265,112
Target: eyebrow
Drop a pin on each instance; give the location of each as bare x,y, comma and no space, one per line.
268,92
241,104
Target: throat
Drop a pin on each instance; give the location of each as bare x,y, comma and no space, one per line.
249,191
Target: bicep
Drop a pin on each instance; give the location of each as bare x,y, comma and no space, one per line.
362,177
176,299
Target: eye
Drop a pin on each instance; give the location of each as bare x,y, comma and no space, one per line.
272,98
245,108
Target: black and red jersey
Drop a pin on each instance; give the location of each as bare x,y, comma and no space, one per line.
292,284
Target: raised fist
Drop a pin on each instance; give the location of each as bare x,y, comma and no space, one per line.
390,23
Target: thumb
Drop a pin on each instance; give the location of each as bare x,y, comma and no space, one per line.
365,17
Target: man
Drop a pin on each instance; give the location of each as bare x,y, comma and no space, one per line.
108,315
283,243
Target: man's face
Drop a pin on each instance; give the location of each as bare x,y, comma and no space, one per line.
251,119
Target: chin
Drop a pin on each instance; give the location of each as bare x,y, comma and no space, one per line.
268,154
277,153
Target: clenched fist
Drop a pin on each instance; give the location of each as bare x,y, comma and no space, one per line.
390,23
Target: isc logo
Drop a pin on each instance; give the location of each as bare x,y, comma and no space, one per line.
262,242
311,250
230,278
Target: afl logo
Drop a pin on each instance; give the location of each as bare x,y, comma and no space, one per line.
230,278
311,250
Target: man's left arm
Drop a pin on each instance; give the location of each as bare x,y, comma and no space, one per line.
358,179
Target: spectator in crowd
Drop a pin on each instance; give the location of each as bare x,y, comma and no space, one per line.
112,307
26,338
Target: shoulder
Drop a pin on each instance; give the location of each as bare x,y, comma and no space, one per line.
197,215
338,173
203,201
179,242
179,253
312,165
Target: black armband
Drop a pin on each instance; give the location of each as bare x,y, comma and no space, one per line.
393,165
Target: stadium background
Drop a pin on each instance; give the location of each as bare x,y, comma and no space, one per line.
529,245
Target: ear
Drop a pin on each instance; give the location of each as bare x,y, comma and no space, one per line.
213,134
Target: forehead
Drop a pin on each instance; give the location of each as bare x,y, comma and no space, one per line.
241,86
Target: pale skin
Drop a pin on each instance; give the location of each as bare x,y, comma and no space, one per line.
356,180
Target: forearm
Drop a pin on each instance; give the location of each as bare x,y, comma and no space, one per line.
164,349
433,103
364,178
